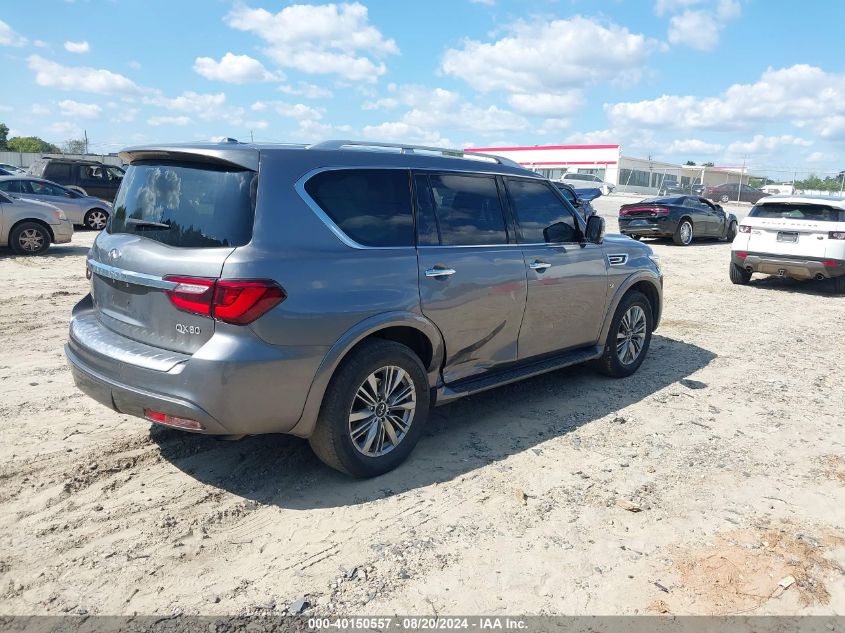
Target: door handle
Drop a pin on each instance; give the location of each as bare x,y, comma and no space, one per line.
440,272
539,266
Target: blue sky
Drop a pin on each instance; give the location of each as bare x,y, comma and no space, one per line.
720,80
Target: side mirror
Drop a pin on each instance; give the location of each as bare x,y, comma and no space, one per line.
595,229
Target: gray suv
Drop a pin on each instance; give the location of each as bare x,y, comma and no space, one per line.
337,291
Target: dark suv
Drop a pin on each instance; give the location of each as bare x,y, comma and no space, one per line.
87,177
336,291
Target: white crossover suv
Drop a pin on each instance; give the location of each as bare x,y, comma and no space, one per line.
802,237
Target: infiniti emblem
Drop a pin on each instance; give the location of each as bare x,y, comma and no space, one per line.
114,254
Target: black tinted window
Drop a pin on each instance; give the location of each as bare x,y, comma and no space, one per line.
427,232
786,211
10,186
371,206
468,210
185,205
60,172
542,216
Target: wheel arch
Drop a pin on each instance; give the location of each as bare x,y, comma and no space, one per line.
36,221
412,330
646,282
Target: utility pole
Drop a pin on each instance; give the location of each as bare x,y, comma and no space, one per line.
739,189
251,137
85,132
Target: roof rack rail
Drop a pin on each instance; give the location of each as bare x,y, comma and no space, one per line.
405,148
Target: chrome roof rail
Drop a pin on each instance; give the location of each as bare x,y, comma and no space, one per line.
405,148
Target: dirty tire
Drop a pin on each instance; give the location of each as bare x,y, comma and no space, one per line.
332,439
739,275
731,232
610,364
684,233
29,238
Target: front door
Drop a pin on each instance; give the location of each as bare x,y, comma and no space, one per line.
567,279
471,272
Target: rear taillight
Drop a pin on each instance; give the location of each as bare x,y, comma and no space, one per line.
742,255
836,235
172,420
744,229
644,209
831,263
231,300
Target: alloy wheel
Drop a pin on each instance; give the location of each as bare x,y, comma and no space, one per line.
31,240
382,411
631,336
686,232
97,220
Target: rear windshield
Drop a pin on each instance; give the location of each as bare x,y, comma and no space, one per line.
186,205
791,211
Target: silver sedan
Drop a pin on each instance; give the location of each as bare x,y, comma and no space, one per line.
87,211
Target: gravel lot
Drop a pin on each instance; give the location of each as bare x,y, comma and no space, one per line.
713,481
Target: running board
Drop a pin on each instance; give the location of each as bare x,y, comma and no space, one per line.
448,393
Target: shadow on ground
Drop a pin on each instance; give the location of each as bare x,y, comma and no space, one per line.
281,470
54,252
816,288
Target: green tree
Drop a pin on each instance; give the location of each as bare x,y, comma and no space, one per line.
690,163
4,136
75,146
31,144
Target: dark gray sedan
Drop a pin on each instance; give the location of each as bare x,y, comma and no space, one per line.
683,218
88,211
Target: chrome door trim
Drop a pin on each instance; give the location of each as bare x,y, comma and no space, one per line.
539,266
129,276
440,272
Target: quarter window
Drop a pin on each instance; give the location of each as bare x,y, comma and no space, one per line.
371,206
469,212
542,216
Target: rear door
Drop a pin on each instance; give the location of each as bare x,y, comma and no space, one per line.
471,271
567,279
789,228
173,227
92,179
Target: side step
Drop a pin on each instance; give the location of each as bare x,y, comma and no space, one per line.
448,393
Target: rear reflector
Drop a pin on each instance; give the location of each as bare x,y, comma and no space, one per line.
742,255
234,301
172,420
744,229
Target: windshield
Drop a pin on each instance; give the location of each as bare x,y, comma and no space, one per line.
793,211
186,205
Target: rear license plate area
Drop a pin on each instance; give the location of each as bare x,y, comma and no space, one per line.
786,236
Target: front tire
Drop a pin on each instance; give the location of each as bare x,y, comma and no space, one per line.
96,219
29,238
374,410
683,234
739,275
628,338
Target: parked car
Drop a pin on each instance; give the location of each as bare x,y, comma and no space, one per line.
802,237
729,192
87,177
580,199
698,189
344,290
782,189
683,218
583,181
6,172
670,187
87,211
29,227
11,169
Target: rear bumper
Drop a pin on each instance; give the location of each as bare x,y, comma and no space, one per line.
646,226
233,385
795,267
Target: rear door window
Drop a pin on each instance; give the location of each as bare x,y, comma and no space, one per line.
60,172
469,212
809,212
371,206
542,216
186,205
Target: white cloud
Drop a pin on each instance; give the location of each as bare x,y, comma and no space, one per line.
77,110
661,7
400,132
700,28
235,69
297,110
833,127
77,47
547,105
800,93
549,57
201,106
39,109
764,145
49,74
817,157
306,90
168,120
65,129
258,106
8,36
319,39
692,146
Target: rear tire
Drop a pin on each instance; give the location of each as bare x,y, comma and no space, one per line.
350,436
631,326
731,232
724,198
684,233
29,238
739,275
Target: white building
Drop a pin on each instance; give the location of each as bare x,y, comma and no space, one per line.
628,174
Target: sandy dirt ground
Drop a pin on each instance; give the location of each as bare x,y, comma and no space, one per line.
711,482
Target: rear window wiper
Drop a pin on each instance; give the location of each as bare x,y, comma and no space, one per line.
147,224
